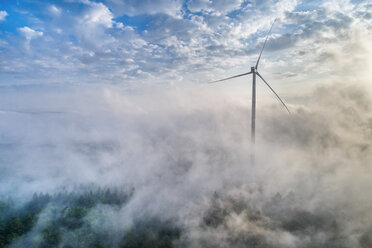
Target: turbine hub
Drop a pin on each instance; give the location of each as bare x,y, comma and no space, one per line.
253,69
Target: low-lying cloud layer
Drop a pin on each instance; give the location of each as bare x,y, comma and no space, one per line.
186,153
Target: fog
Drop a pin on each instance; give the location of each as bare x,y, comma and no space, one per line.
186,152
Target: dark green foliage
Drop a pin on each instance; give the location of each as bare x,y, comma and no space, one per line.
110,197
73,220
51,235
87,237
152,233
316,229
303,221
250,240
86,200
89,198
215,217
38,202
216,214
73,216
2,237
5,208
17,221
15,226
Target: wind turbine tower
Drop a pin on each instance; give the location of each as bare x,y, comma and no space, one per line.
255,72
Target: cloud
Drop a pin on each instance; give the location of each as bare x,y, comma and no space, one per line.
187,154
3,15
168,43
213,6
92,26
29,33
98,14
133,8
55,10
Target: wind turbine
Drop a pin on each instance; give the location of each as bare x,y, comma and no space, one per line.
254,72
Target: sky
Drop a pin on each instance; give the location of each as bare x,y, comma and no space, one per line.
180,42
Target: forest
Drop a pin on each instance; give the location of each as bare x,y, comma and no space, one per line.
18,220
77,219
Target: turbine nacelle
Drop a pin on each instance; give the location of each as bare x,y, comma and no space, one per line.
253,69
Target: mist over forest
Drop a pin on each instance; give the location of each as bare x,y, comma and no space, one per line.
172,168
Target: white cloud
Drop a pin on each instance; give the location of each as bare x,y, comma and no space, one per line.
165,45
219,6
197,5
55,10
3,14
93,24
119,25
29,33
98,14
132,8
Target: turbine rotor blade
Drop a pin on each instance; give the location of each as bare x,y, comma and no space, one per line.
268,34
240,75
273,92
